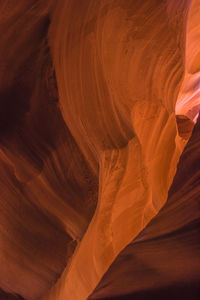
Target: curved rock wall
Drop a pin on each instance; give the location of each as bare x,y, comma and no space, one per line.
98,100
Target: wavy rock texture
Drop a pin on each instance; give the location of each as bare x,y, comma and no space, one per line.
188,101
98,100
163,261
48,192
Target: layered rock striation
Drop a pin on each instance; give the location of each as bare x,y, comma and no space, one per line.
98,100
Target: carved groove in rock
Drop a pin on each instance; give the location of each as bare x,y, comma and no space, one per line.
97,101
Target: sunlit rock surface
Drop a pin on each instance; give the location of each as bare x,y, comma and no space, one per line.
163,261
97,102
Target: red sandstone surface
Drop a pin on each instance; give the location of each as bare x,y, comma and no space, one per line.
99,149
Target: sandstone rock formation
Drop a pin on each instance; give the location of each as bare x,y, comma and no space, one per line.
98,101
162,262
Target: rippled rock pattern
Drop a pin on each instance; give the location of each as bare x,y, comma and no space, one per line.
99,104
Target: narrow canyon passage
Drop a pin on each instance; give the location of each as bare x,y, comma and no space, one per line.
98,100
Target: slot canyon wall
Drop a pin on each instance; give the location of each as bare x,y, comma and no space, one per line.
99,149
